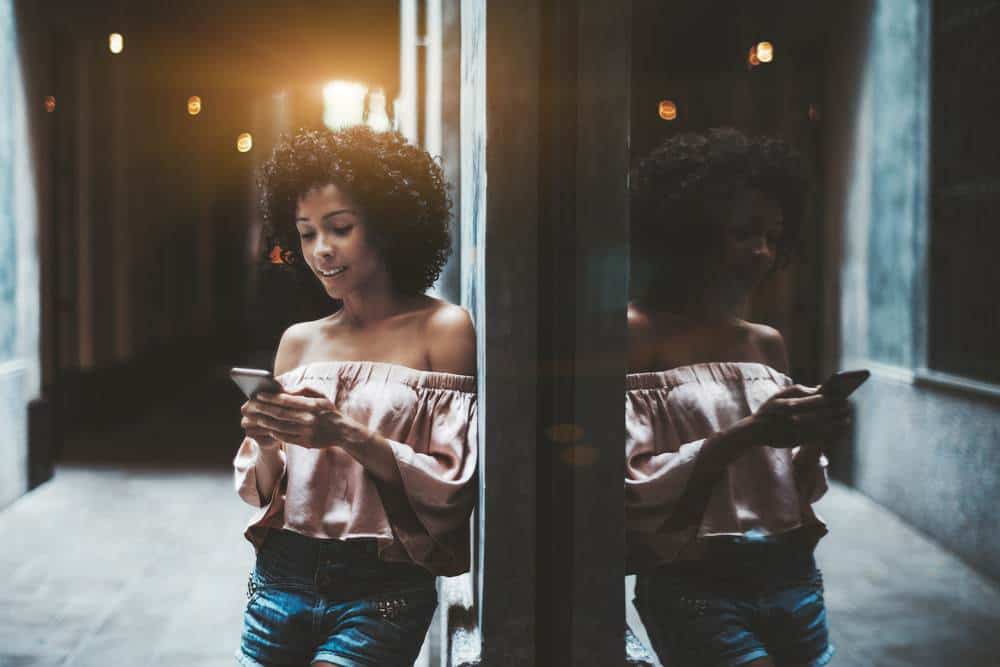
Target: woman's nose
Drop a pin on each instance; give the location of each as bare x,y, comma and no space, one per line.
323,247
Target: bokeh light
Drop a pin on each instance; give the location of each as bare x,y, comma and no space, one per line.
765,52
343,104
668,110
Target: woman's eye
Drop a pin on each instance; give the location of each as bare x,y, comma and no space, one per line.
307,236
343,231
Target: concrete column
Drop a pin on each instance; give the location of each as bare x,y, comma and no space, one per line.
406,103
19,281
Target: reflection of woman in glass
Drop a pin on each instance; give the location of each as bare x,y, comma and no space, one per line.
361,467
719,476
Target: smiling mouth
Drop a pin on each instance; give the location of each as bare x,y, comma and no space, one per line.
332,273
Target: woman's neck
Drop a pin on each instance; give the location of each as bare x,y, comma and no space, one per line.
373,303
709,304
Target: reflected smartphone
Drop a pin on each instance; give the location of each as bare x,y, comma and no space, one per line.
254,380
844,383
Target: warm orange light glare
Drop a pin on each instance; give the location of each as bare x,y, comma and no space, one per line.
194,105
116,42
765,52
752,58
244,142
668,110
50,103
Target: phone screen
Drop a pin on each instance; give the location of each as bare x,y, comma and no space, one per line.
844,383
254,380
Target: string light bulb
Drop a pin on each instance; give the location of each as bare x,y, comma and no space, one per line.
194,105
116,42
765,52
244,142
50,103
668,110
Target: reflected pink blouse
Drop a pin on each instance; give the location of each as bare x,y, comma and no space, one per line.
668,415
429,419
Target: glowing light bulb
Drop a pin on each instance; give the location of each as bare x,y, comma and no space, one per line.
50,103
752,59
116,42
343,104
194,105
244,142
668,110
765,52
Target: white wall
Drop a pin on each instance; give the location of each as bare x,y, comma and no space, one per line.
19,288
924,448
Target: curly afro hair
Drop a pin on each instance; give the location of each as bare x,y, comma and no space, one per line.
680,192
399,188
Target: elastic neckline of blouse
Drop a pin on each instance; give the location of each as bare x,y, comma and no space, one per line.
706,372
381,371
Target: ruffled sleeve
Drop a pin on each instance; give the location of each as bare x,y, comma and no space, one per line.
245,472
437,464
670,415
811,478
658,465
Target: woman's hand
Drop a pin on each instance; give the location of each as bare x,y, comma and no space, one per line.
304,418
799,414
253,426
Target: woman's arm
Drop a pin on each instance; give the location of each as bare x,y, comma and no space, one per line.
793,415
309,420
269,463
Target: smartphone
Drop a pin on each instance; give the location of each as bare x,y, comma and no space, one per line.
253,380
844,383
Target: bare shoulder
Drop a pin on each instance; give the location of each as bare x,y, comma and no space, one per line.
451,339
770,343
292,346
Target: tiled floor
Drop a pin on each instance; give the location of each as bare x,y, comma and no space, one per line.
114,566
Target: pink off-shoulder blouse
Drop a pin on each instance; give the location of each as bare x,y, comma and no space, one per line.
429,419
767,492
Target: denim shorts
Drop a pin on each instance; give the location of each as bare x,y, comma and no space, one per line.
736,610
330,600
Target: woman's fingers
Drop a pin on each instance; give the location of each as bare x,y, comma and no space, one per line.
277,425
796,391
283,399
825,426
311,403
289,415
816,403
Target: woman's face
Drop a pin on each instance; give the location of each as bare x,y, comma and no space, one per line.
335,243
750,238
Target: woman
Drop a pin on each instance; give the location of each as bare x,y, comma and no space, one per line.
361,468
719,484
